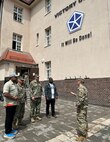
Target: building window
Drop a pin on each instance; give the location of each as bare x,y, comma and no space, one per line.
16,44
37,39
18,14
48,36
48,69
48,6
62,44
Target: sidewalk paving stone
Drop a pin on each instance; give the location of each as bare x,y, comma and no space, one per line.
62,128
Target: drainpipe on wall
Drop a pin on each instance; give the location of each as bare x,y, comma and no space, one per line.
1,13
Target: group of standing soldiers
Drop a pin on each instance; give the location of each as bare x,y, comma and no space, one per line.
15,98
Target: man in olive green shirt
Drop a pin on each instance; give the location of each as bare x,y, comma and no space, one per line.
20,110
36,93
10,93
82,106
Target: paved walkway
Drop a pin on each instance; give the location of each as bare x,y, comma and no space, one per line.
62,128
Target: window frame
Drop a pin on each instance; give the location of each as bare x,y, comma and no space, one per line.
19,16
37,39
48,69
17,40
48,6
48,36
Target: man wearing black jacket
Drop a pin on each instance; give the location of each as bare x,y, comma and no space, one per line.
51,95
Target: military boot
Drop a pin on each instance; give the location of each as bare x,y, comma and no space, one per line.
38,118
81,138
32,120
15,124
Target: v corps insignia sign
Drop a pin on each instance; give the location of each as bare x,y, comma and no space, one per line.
75,22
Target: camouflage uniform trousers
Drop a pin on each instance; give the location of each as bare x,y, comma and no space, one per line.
20,110
82,121
35,108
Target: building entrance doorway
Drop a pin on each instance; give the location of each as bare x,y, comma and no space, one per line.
31,71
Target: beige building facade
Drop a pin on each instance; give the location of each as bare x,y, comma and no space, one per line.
66,38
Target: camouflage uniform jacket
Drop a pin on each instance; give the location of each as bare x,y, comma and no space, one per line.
36,89
82,97
21,93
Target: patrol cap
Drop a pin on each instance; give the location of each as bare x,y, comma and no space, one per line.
21,78
36,76
13,74
81,80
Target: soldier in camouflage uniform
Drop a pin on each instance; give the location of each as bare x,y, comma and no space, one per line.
20,110
26,79
35,97
82,105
